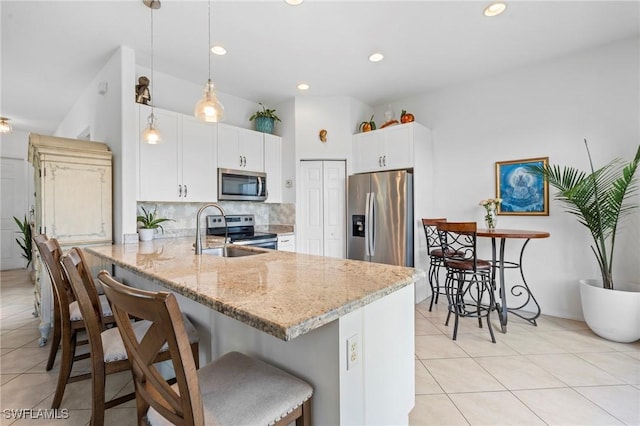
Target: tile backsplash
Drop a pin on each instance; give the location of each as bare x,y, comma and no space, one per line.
184,214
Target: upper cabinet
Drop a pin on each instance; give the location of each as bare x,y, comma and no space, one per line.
240,149
273,167
182,166
386,149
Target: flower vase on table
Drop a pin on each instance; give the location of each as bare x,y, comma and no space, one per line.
491,215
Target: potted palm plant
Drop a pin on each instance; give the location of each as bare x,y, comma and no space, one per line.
150,224
25,244
600,200
265,119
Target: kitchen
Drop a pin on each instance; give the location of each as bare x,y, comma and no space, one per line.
541,109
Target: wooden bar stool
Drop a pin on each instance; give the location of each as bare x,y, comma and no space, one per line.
468,285
108,353
68,320
233,390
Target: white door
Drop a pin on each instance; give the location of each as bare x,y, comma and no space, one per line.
311,230
322,230
14,203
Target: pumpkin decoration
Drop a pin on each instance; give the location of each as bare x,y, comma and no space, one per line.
367,126
406,117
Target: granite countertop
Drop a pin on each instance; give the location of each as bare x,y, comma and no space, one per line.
276,229
281,293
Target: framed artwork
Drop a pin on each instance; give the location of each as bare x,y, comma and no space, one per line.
522,192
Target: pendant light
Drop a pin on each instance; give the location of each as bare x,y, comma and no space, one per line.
209,108
151,135
5,127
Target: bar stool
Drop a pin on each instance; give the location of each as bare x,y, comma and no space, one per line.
468,284
67,317
436,258
234,389
108,353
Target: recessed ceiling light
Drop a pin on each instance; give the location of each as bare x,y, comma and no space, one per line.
303,86
219,50
494,9
376,57
293,2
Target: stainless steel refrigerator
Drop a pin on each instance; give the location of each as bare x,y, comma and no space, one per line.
380,216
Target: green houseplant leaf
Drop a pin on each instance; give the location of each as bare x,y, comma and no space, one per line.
150,220
597,200
25,244
265,112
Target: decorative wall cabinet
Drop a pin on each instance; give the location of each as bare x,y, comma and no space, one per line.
182,166
391,148
240,149
273,167
73,184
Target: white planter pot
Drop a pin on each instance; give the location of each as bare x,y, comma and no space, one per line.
146,234
612,314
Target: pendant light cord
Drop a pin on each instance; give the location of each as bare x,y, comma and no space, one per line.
209,46
152,77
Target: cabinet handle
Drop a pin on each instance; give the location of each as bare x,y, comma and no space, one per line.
380,161
244,161
384,160
179,191
241,161
185,191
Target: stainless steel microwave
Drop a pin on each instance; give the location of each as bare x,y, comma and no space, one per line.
241,185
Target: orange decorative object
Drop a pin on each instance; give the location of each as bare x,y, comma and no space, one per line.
406,117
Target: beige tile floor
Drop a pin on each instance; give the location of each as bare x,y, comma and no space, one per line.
558,373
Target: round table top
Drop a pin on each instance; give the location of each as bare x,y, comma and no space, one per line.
511,233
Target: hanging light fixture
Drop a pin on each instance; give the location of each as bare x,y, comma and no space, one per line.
151,135
5,127
209,108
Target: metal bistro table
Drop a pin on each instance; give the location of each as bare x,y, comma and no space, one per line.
519,289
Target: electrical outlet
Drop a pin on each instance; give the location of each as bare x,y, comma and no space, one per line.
353,351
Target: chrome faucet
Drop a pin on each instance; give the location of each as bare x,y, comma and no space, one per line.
198,244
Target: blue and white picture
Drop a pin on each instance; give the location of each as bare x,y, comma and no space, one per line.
522,193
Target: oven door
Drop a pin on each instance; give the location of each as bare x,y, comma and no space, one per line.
240,185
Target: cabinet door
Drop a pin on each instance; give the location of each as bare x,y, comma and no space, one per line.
199,174
273,167
160,174
367,155
252,150
76,201
397,151
229,156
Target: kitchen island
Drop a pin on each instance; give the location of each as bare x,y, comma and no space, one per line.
347,327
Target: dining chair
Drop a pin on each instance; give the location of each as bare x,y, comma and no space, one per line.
67,317
436,258
468,285
108,353
235,389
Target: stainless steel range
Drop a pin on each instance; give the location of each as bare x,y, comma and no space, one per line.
241,231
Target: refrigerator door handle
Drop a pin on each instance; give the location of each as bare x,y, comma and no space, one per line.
372,224
367,224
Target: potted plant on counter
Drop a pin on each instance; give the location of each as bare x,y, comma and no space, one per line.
600,200
265,119
150,224
25,229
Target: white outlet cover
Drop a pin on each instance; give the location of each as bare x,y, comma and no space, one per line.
354,351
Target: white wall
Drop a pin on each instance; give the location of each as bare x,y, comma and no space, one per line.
543,110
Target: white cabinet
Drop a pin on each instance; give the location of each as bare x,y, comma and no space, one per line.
386,149
240,149
181,167
273,167
321,219
287,242
73,198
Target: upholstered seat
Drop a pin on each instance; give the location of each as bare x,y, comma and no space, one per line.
76,315
235,389
263,394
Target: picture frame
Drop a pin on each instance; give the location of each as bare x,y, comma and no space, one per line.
522,193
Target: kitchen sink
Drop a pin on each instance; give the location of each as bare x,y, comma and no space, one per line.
230,252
